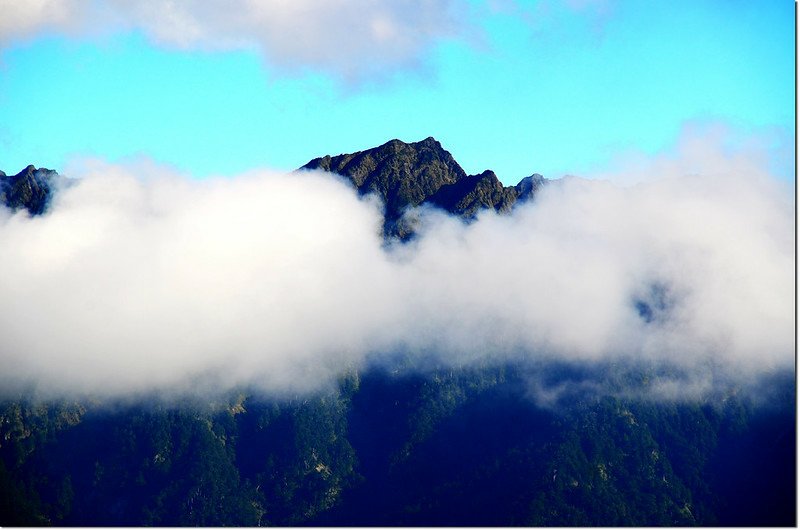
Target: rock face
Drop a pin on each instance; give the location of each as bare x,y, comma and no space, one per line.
401,174
477,192
406,175
30,189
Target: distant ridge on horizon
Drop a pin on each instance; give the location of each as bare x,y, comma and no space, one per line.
403,175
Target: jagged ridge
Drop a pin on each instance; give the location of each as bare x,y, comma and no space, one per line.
401,174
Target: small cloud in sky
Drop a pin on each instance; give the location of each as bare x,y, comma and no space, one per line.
707,147
351,39
543,15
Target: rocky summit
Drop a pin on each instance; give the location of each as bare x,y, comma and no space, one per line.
29,189
404,175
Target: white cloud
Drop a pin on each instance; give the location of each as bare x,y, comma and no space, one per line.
20,19
352,39
139,279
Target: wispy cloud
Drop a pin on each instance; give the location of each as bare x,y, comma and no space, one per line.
139,279
351,39
545,15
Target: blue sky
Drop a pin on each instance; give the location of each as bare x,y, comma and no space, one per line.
549,87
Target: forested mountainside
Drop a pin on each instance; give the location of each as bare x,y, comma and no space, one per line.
451,447
504,443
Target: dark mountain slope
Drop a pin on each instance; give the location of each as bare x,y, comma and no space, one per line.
484,191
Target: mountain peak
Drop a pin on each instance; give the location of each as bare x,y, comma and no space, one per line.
409,174
431,142
528,186
403,174
29,189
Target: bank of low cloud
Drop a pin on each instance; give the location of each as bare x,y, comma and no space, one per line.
141,280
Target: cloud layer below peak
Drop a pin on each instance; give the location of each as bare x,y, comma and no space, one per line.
139,280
